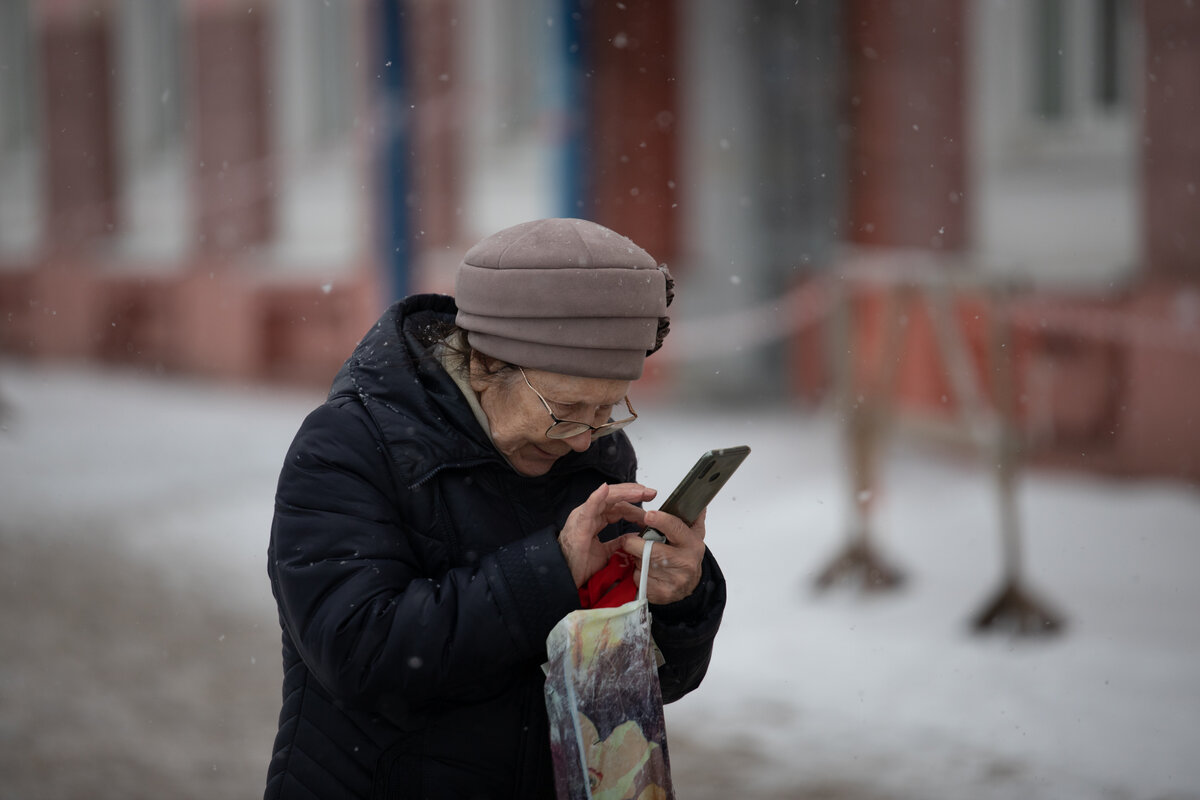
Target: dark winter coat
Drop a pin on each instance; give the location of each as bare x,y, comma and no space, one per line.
417,577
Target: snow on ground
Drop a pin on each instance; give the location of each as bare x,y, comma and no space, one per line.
835,694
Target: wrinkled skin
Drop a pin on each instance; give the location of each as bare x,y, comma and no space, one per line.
518,423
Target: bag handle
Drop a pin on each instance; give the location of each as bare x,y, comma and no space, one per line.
645,570
642,584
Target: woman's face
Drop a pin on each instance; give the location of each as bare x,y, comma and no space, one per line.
519,420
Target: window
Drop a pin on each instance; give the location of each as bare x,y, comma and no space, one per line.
514,69
1054,177
1081,52
320,196
19,152
151,125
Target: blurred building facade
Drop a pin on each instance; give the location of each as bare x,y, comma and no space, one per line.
236,189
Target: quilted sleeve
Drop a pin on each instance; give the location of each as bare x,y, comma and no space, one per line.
369,622
685,632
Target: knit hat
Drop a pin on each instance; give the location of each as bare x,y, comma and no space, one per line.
566,296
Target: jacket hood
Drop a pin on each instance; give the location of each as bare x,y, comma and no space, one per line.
420,412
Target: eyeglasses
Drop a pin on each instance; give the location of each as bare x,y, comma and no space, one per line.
565,428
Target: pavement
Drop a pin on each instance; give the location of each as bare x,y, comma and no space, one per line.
139,646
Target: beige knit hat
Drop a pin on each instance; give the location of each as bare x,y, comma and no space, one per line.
566,296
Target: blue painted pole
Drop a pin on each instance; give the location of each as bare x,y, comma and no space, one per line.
575,161
394,145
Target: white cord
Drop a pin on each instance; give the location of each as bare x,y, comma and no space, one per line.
645,570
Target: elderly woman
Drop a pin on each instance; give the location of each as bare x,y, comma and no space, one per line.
448,504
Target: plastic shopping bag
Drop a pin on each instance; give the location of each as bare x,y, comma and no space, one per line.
607,733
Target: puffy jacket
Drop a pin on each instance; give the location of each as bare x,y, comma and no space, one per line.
417,576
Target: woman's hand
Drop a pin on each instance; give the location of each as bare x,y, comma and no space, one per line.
675,565
579,540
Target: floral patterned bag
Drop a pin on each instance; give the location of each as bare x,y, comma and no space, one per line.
607,733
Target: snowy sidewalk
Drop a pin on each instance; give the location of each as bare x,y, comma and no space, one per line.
133,524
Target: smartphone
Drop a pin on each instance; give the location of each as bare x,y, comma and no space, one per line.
700,486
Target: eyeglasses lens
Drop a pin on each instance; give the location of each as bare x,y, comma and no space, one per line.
567,429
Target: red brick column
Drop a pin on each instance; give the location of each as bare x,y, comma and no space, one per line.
436,173
79,140
1170,140
232,170
634,119
906,165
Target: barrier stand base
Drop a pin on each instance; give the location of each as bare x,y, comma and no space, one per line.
860,564
1016,610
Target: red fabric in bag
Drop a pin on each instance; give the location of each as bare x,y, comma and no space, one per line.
614,585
